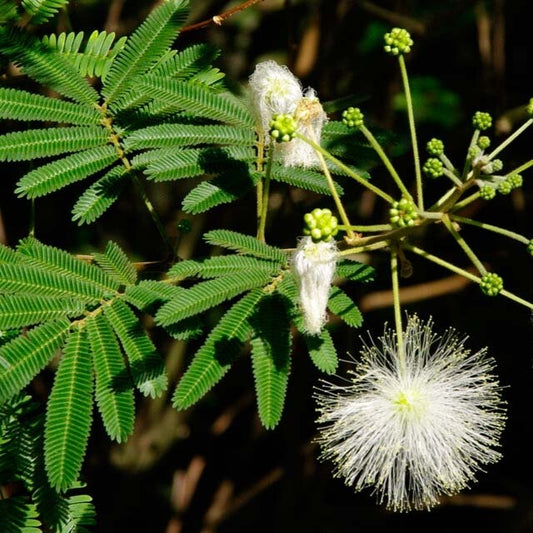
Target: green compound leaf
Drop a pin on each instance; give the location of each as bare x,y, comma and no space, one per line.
58,174
178,135
69,413
144,47
100,196
218,352
146,366
27,279
55,260
42,10
271,343
344,307
149,295
22,358
95,59
115,263
207,294
17,515
245,244
223,265
18,311
46,66
114,394
322,351
354,271
302,178
34,144
21,105
197,100
186,63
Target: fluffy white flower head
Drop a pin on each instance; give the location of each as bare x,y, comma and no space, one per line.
275,90
311,118
313,265
417,430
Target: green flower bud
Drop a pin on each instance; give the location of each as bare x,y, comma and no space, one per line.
483,142
283,128
487,192
433,167
491,284
320,224
353,117
398,41
505,187
515,180
435,147
482,120
530,247
403,214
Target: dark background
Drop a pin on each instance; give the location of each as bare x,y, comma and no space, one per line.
213,467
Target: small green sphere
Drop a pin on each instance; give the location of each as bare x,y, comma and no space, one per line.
403,214
505,187
515,180
435,147
320,225
491,284
398,41
283,128
433,167
483,142
353,117
487,192
481,120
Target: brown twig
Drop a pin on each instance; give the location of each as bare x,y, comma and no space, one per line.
219,19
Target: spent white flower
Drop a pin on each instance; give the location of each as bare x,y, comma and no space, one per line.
275,91
311,118
313,265
417,430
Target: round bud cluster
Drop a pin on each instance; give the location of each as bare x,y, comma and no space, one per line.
529,108
491,284
283,128
482,120
505,187
530,247
352,117
433,167
515,180
403,213
435,147
492,167
483,142
487,192
320,225
398,42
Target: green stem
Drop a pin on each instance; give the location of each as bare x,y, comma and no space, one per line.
462,243
386,161
266,193
521,168
367,229
347,170
259,164
473,142
464,273
490,227
397,307
364,248
510,139
449,174
410,113
466,201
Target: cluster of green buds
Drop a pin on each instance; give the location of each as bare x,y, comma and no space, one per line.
403,213
483,142
283,128
320,225
398,41
435,147
353,117
500,184
491,284
433,167
481,120
514,181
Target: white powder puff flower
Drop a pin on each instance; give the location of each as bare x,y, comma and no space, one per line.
275,91
313,265
416,430
311,118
